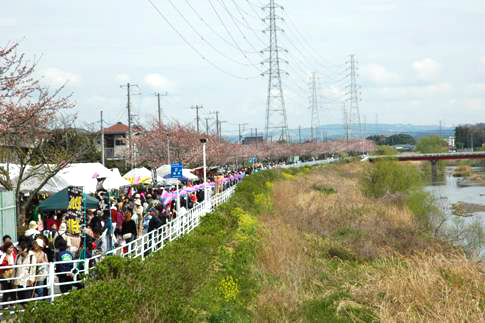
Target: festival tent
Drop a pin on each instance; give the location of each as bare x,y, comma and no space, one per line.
87,175
60,201
80,174
33,178
164,172
139,176
115,180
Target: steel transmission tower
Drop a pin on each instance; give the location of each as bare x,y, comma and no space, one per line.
315,107
353,99
275,106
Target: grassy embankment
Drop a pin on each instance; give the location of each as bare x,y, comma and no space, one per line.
339,243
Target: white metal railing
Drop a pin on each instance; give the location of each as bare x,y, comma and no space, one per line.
311,163
57,283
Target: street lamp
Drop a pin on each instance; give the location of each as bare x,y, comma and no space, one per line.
204,142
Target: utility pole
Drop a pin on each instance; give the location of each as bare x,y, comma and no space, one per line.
168,149
275,106
207,125
159,107
102,138
299,134
240,134
220,128
197,108
128,105
217,123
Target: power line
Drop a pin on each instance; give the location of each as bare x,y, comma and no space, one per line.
236,24
246,23
214,48
251,5
188,43
305,41
228,31
229,43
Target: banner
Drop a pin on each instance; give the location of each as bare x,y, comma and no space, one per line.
74,209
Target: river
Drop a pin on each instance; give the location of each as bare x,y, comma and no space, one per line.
447,192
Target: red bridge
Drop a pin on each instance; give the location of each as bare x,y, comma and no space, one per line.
433,158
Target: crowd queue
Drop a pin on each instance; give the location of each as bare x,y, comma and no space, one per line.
119,219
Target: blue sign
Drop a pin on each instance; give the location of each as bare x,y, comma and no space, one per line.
176,170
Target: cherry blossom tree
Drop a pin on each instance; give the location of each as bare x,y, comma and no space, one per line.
185,146
29,114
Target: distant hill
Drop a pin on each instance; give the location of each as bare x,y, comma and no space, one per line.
336,131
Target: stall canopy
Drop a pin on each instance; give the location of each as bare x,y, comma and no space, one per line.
60,201
82,174
139,176
164,172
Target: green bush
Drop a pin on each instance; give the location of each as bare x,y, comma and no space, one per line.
422,205
390,177
386,150
432,144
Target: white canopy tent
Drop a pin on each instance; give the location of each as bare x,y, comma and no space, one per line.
82,174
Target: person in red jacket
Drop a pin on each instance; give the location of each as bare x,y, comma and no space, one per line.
7,258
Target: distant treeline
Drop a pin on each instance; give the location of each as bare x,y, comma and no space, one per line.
468,136
399,139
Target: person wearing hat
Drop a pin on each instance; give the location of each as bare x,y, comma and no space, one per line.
155,221
32,232
138,217
61,236
41,270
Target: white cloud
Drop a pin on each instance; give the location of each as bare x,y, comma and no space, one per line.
56,77
379,74
158,82
482,60
427,69
474,104
413,92
122,78
8,22
333,92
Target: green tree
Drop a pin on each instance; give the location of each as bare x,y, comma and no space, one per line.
390,177
400,139
384,150
431,144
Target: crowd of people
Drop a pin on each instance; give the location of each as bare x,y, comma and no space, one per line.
121,218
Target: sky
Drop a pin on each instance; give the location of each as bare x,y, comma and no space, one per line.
420,61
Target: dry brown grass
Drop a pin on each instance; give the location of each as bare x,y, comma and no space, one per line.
284,268
314,244
425,288
368,227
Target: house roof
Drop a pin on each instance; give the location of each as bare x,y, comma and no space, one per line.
121,128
